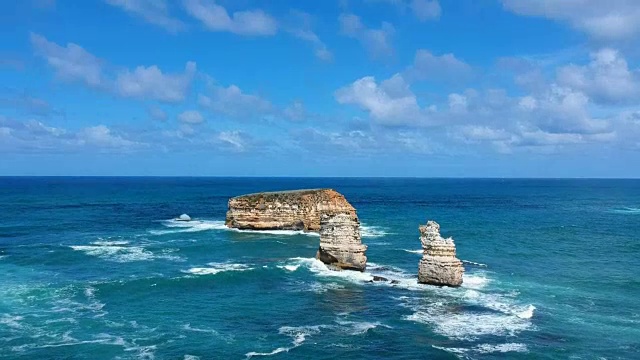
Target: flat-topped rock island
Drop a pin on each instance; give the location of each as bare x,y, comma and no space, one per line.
325,211
286,210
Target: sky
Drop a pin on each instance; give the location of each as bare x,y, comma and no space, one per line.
415,88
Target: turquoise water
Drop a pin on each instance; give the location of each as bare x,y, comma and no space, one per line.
93,268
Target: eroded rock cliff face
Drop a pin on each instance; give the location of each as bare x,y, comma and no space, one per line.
439,264
340,242
286,210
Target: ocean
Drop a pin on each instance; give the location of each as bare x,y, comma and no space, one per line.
94,268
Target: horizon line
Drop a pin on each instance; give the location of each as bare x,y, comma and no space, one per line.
322,177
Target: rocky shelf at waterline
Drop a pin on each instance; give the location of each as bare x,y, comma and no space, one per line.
286,210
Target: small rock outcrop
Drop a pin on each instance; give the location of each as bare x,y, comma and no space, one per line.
286,210
340,242
439,265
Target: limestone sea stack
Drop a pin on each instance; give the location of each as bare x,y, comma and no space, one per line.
340,243
439,265
286,210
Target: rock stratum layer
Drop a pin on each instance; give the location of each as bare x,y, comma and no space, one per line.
439,264
340,242
286,210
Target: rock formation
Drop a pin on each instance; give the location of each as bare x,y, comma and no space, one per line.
439,265
286,210
340,243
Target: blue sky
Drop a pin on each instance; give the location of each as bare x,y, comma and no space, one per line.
471,88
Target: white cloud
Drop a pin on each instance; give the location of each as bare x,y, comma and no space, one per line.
423,10
151,83
390,103
607,20
153,11
483,133
156,113
376,41
233,102
606,79
101,136
70,63
73,63
35,136
563,110
235,141
295,111
426,9
457,103
446,67
216,18
38,128
191,117
303,30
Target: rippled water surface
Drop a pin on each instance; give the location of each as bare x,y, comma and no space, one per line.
94,268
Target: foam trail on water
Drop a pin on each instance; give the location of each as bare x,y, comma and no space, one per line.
207,225
627,210
486,349
298,335
215,268
419,252
473,263
359,328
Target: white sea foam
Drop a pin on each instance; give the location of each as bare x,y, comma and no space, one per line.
468,325
297,334
188,327
191,357
627,210
119,251
291,268
320,288
276,351
319,268
110,243
475,281
473,263
67,340
205,225
527,313
419,252
12,321
115,252
359,328
189,226
503,348
175,226
215,268
372,231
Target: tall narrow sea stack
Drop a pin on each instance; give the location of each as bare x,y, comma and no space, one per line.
439,265
340,242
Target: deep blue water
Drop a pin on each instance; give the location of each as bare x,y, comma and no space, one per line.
92,268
